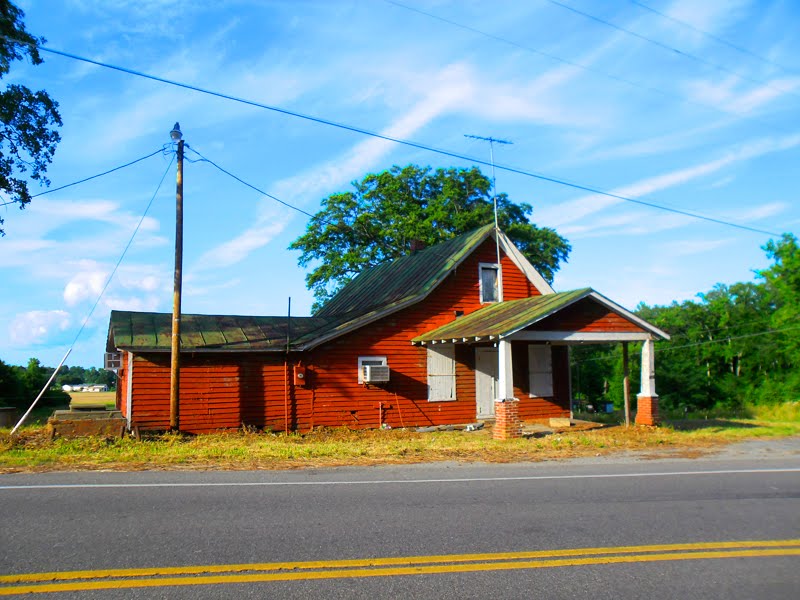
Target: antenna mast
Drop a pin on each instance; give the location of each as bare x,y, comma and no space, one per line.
492,141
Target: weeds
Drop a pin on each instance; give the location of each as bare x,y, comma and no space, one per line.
32,450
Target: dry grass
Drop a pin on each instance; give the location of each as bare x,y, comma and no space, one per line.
32,450
107,398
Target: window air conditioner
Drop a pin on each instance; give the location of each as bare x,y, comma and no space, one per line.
375,374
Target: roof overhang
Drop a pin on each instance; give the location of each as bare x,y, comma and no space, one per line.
510,320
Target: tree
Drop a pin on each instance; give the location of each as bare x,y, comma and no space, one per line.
387,211
27,119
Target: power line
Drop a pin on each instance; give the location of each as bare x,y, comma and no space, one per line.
728,339
355,129
587,68
703,343
252,187
316,218
671,49
99,297
84,180
709,35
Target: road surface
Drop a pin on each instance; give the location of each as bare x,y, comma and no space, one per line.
724,527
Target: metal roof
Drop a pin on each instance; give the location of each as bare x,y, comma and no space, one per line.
153,331
502,318
407,279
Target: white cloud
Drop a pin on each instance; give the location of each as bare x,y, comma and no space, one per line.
37,326
740,97
690,247
85,285
584,206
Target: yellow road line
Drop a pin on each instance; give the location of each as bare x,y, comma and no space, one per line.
390,571
388,561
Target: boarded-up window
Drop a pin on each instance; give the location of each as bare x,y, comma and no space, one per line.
540,370
441,372
488,281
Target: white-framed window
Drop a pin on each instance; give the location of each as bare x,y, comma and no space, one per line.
540,370
378,361
441,372
488,277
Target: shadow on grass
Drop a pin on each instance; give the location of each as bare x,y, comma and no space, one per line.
697,424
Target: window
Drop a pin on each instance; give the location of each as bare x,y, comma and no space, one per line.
488,282
378,361
441,373
540,370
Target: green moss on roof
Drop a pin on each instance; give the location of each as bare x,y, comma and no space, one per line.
152,331
503,318
406,279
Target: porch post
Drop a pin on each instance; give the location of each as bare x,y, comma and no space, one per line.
647,399
506,408
505,379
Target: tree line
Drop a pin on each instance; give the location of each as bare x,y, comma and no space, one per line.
19,386
737,344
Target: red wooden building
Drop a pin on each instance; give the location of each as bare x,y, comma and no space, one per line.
435,337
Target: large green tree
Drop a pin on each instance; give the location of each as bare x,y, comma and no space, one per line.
385,212
28,119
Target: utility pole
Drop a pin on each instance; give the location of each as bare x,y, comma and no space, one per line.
492,141
175,362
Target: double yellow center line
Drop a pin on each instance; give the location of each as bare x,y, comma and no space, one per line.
73,581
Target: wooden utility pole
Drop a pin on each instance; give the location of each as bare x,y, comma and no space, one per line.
175,363
626,384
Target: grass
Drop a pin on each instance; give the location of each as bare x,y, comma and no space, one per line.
32,450
107,398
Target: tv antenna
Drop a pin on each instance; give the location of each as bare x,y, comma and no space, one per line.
492,141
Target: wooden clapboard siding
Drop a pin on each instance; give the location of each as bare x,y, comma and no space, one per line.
587,316
227,390
210,392
341,400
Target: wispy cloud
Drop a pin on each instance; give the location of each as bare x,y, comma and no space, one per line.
584,206
38,326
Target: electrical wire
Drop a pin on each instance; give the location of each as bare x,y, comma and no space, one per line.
588,68
355,129
99,297
728,339
252,187
124,252
711,36
50,191
703,343
316,218
672,49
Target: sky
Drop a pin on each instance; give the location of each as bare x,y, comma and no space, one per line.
688,105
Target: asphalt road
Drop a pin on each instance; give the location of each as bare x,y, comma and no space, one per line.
726,527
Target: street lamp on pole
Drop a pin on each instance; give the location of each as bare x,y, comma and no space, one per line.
174,388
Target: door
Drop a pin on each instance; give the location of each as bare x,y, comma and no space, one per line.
485,381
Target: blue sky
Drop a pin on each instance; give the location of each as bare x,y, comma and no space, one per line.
709,129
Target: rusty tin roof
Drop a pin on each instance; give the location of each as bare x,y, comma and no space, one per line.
503,318
407,279
153,331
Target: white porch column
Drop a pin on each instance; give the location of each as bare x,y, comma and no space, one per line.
648,369
647,399
505,379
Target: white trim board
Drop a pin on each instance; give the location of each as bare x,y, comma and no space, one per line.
579,336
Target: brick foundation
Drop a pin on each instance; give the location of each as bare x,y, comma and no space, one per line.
507,424
647,410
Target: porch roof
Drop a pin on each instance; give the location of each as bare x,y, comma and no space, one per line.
506,318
